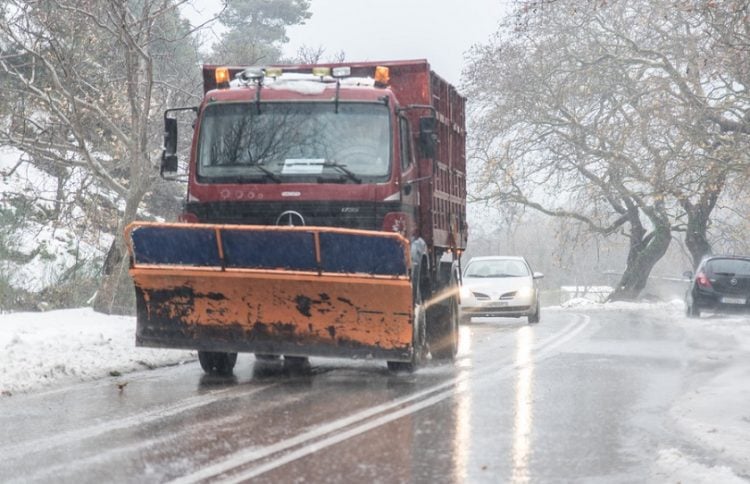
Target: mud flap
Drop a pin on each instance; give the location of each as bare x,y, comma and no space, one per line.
303,291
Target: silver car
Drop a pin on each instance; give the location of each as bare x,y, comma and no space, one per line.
503,286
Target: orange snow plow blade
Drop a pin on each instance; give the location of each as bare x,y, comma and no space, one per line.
303,291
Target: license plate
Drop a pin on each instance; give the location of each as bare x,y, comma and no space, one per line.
733,300
499,304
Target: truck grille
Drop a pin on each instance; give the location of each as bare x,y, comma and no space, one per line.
355,215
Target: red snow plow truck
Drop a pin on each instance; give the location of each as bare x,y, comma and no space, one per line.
325,216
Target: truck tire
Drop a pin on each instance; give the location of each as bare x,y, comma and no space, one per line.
266,357
217,363
296,363
420,338
443,331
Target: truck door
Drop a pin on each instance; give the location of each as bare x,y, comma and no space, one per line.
409,177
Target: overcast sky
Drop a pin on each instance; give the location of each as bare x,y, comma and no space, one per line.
437,30
440,31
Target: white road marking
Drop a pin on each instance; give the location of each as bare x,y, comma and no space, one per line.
342,429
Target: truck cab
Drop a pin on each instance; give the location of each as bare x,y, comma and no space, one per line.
304,149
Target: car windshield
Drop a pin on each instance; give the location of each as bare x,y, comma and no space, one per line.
309,141
497,268
735,267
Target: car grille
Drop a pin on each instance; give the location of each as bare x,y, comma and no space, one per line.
480,296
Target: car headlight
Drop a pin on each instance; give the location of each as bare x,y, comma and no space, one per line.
465,293
525,291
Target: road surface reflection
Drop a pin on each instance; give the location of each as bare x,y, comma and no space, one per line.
523,406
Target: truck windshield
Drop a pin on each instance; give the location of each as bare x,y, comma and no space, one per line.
294,141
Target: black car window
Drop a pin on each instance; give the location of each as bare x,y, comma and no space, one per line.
735,267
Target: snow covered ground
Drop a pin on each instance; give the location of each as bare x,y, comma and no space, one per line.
57,347
41,350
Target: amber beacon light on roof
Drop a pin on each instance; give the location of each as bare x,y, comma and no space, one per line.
222,75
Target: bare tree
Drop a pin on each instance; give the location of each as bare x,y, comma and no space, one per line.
315,55
87,77
600,114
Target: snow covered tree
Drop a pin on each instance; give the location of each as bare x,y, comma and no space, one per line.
85,79
257,30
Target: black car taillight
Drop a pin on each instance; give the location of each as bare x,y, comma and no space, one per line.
702,280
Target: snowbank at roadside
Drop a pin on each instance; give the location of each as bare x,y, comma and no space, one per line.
51,348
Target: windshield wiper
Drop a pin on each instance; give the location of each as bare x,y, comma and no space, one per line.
268,172
343,169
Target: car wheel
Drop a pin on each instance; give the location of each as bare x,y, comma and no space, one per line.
217,363
693,311
536,315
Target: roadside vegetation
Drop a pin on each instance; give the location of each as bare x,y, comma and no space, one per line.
607,137
628,120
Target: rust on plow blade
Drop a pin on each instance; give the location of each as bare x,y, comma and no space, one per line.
303,291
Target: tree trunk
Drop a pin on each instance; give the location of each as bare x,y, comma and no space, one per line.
698,218
116,294
695,237
645,251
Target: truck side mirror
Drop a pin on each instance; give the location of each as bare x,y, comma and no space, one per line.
169,155
428,136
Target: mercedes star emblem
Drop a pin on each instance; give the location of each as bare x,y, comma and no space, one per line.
290,218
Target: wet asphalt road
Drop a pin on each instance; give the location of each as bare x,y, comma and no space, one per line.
581,396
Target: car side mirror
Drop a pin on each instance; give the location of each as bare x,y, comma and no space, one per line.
538,275
688,274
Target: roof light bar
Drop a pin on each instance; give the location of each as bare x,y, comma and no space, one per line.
251,73
274,72
341,71
321,71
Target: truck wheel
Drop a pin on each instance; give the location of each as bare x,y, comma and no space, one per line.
420,337
296,363
265,357
444,331
217,363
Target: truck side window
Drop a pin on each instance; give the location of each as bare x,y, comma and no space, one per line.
406,153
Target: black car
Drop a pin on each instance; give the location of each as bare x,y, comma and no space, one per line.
720,283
